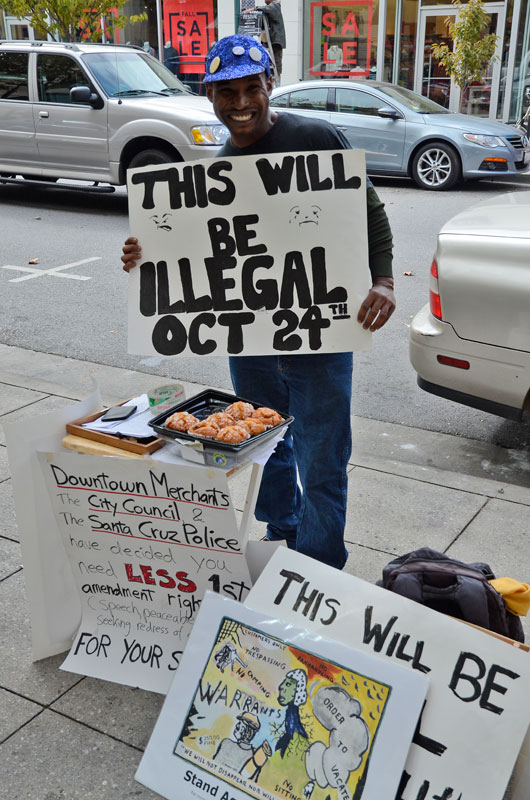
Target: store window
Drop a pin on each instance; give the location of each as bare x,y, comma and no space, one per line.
144,33
520,94
408,32
390,39
190,29
340,39
19,31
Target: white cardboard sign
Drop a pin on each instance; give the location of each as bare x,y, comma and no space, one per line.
251,255
54,605
477,708
145,540
262,709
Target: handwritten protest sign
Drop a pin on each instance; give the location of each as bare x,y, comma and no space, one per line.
262,709
477,710
252,255
145,541
54,606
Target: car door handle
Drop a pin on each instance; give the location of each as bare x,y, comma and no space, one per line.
43,114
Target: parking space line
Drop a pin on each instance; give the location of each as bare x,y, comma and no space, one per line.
55,272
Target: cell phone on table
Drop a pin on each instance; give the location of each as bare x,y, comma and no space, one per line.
117,412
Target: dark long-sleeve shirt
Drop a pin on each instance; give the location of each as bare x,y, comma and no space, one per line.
292,133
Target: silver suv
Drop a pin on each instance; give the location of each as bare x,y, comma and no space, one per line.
90,112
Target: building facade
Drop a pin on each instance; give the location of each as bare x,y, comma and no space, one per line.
386,40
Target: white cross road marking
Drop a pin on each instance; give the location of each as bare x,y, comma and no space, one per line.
55,272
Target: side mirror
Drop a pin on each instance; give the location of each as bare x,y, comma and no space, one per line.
84,95
389,113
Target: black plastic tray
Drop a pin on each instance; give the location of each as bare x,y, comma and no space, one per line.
201,406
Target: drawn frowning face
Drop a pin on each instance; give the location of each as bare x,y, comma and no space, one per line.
162,221
304,215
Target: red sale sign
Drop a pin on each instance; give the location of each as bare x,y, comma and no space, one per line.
191,29
344,31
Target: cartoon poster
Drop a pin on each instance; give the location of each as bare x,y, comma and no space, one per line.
254,255
274,713
477,710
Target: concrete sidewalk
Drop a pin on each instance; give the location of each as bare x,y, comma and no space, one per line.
64,737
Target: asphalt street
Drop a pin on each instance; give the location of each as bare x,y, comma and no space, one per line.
83,316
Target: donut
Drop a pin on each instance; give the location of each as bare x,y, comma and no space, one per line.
206,428
221,419
233,434
181,421
253,426
268,416
240,410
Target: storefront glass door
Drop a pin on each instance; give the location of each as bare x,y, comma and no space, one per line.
432,80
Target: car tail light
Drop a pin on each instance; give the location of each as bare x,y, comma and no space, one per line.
436,306
453,362
434,297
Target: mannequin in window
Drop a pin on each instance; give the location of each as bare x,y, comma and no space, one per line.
171,58
334,55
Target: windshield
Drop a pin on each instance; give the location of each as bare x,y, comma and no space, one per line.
413,101
132,73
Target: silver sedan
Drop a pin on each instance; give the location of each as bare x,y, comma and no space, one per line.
471,342
406,134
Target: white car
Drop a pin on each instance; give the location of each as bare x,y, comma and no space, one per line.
92,111
471,343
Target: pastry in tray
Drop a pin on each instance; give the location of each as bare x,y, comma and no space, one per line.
253,426
221,419
240,410
268,416
207,428
237,423
233,434
181,421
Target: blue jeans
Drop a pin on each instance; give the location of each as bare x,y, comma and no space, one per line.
316,390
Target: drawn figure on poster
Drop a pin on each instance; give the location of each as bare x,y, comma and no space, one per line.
234,753
162,221
281,717
258,760
292,693
304,215
227,656
330,765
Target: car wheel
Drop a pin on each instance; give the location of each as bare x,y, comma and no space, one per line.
436,166
152,155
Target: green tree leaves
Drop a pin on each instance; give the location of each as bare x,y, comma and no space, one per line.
70,20
473,50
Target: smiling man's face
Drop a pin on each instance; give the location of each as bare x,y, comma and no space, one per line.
242,105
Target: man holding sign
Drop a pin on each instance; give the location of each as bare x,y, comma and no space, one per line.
316,387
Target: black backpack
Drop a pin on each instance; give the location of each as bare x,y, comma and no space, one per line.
452,587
